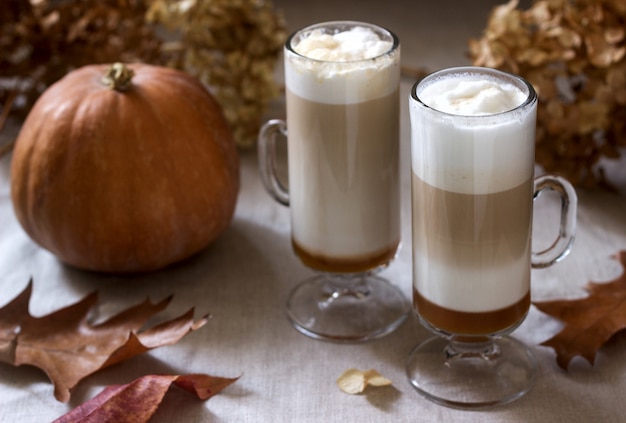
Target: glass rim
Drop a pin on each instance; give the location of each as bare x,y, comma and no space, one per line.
338,25
531,97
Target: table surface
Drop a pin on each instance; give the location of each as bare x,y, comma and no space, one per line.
243,279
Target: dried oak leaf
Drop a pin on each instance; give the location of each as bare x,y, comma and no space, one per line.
589,322
137,401
68,348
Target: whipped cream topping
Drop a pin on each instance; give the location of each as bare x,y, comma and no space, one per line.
358,43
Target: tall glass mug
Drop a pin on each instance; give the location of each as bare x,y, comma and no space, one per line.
473,147
342,81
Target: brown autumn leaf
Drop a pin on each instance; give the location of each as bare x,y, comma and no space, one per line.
68,348
137,401
589,322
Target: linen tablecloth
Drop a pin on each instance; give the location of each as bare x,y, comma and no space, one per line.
243,280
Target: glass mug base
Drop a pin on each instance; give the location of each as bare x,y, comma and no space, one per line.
346,308
472,375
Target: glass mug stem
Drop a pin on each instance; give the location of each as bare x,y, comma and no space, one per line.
266,148
565,238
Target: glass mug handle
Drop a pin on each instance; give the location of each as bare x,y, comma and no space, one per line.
266,148
564,240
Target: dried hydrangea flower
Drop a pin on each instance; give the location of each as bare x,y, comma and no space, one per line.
232,46
574,53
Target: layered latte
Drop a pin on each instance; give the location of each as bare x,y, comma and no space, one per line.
343,115
472,189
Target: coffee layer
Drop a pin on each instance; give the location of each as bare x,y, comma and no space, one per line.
351,264
467,323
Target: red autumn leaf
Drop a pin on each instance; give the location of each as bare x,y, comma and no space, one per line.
137,401
589,322
68,348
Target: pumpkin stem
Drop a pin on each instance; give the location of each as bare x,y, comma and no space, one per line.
118,77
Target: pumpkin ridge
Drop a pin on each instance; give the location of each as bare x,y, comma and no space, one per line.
187,142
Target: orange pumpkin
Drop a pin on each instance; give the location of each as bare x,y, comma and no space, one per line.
126,173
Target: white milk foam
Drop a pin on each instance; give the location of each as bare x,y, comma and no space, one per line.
471,97
473,135
343,63
358,43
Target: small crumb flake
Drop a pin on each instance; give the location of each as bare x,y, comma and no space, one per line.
354,381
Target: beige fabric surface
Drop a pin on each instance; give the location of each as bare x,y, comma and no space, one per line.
243,279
